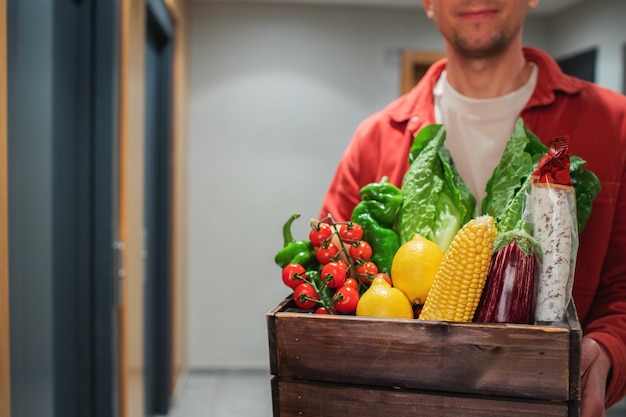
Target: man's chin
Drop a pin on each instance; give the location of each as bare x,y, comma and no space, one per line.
479,50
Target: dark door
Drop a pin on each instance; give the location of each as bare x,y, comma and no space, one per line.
62,121
581,65
157,201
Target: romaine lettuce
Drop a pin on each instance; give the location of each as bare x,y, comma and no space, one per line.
436,200
437,203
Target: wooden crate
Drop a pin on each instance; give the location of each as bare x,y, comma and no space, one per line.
346,366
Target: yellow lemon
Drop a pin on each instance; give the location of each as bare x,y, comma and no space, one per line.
383,300
414,267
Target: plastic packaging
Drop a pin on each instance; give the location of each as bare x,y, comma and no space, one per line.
551,209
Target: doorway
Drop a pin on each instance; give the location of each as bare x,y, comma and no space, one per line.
62,191
157,207
581,65
414,66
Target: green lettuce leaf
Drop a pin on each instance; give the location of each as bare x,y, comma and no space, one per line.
587,186
437,203
506,189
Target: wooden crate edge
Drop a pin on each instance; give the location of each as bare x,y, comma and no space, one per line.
270,319
332,400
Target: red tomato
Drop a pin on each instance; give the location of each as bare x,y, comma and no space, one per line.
333,274
320,234
351,231
346,300
360,251
294,275
344,265
326,253
367,272
305,296
384,276
320,310
352,283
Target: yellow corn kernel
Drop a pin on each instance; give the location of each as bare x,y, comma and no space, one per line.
459,282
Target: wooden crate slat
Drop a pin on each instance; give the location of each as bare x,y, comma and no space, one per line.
270,319
487,359
314,399
576,335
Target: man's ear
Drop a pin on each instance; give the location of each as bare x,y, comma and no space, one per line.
533,3
428,7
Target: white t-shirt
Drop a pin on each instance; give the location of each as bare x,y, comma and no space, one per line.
477,130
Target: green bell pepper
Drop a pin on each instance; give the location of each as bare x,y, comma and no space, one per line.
384,241
376,214
294,251
386,201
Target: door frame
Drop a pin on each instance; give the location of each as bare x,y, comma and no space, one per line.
158,145
5,371
131,200
106,288
85,193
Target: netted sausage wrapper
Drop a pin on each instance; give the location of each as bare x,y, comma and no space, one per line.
551,209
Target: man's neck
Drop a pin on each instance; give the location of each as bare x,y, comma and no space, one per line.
488,77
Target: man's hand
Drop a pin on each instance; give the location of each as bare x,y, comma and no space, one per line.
596,365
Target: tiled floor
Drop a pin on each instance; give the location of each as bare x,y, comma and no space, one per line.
224,394
244,394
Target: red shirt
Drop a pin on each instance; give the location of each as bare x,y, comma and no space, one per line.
595,120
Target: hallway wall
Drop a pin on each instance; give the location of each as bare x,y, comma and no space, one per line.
275,94
598,23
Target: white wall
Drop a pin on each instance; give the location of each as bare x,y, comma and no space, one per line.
275,94
597,23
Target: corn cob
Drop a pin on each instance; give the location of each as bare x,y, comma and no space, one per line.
461,277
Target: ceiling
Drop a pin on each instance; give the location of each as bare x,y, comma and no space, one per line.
546,7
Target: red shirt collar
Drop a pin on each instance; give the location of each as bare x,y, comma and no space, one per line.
418,103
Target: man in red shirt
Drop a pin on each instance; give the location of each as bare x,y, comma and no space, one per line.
486,65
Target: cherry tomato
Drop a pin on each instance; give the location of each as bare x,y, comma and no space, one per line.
351,231
346,300
344,265
367,272
305,296
326,253
360,251
352,283
320,233
334,274
384,276
320,310
294,275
